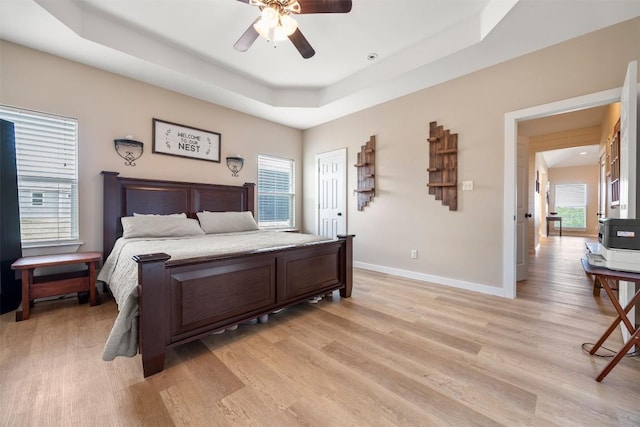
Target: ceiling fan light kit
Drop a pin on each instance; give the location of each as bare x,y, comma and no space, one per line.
276,23
274,26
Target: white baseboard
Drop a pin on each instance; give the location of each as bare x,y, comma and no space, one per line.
445,281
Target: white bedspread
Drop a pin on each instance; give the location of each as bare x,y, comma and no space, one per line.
120,272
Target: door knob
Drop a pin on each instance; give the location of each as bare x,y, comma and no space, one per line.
339,213
527,215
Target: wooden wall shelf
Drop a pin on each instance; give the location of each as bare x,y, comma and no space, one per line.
366,173
442,184
443,165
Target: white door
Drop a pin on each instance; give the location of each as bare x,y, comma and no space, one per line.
522,214
628,173
332,200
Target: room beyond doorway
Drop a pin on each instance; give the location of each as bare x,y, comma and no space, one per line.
510,168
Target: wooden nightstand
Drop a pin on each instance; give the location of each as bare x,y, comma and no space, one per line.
57,284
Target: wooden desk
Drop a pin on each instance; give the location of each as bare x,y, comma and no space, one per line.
553,218
57,284
606,278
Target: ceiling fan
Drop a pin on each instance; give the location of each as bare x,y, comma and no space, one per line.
275,22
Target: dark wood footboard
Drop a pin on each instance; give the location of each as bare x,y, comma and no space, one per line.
184,300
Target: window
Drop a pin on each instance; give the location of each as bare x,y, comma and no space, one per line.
46,157
275,192
37,199
571,205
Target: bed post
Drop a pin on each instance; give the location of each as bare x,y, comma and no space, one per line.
347,264
153,300
251,187
110,211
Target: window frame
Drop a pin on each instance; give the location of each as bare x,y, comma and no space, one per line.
290,194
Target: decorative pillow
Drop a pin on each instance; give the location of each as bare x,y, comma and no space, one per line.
226,222
176,215
159,226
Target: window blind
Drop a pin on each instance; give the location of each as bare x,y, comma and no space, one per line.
46,157
571,204
275,192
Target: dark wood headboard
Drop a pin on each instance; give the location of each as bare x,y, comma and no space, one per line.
124,196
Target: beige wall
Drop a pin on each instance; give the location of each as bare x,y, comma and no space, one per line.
462,248
109,106
578,175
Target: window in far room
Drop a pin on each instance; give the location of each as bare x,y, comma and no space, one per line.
276,192
46,158
37,199
571,205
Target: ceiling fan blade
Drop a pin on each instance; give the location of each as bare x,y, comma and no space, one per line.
246,40
324,6
301,43
244,1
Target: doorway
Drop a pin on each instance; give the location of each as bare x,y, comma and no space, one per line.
511,132
563,157
628,97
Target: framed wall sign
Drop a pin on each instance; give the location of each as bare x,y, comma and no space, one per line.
178,140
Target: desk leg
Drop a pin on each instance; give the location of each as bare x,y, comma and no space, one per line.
596,286
560,227
634,340
547,228
622,314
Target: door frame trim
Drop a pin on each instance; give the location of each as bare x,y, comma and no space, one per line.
320,156
511,119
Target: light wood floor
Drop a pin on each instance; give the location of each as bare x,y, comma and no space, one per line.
398,353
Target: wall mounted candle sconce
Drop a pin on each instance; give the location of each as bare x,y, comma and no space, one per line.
129,149
235,165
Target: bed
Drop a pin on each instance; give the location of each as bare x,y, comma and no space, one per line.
184,297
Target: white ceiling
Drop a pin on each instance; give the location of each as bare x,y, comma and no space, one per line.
575,156
567,157
187,46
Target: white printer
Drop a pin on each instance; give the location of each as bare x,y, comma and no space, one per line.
618,245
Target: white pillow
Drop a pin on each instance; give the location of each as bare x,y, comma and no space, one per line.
176,215
159,226
227,222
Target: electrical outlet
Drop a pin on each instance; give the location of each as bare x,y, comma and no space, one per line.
467,185
414,253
